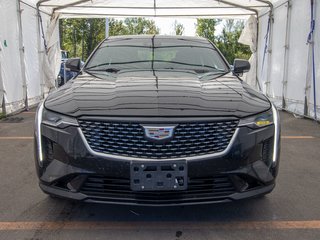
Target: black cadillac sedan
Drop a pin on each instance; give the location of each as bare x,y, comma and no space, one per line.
157,120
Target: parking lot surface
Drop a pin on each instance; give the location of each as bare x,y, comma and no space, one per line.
291,211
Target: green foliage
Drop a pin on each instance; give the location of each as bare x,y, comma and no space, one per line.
228,44
117,27
206,28
227,41
178,28
80,36
140,25
2,115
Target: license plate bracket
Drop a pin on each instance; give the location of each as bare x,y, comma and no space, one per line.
159,175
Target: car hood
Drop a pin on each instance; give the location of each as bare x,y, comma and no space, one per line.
156,93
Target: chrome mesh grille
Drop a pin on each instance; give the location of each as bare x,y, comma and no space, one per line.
127,139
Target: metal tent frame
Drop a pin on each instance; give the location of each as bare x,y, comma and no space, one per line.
161,8
155,8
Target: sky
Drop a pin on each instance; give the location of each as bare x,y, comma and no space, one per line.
166,25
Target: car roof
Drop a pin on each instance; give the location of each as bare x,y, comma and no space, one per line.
158,36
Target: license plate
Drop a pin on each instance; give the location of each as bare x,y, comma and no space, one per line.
159,175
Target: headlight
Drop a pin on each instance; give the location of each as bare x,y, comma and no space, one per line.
57,120
44,116
265,119
258,121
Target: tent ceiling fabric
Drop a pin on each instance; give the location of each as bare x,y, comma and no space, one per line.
155,8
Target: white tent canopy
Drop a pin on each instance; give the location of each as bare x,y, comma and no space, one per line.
285,62
155,8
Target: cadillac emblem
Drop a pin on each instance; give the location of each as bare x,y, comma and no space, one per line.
159,133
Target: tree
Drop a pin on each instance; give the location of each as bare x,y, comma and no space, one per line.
178,28
227,41
140,26
71,31
80,36
117,27
228,44
206,28
96,33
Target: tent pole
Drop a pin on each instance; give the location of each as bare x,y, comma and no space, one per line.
40,57
268,82
22,57
221,1
238,6
266,2
257,58
286,55
107,28
40,2
3,104
314,67
269,50
311,79
70,5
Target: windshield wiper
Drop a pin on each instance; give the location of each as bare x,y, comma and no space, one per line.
110,70
152,61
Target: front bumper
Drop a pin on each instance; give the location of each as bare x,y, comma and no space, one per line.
68,168
78,196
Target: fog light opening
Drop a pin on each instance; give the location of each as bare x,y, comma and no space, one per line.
75,184
245,182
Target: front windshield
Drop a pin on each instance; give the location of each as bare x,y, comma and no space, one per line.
157,53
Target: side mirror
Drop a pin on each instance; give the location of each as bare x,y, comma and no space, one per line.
240,66
73,64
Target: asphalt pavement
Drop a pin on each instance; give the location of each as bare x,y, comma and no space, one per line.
291,211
